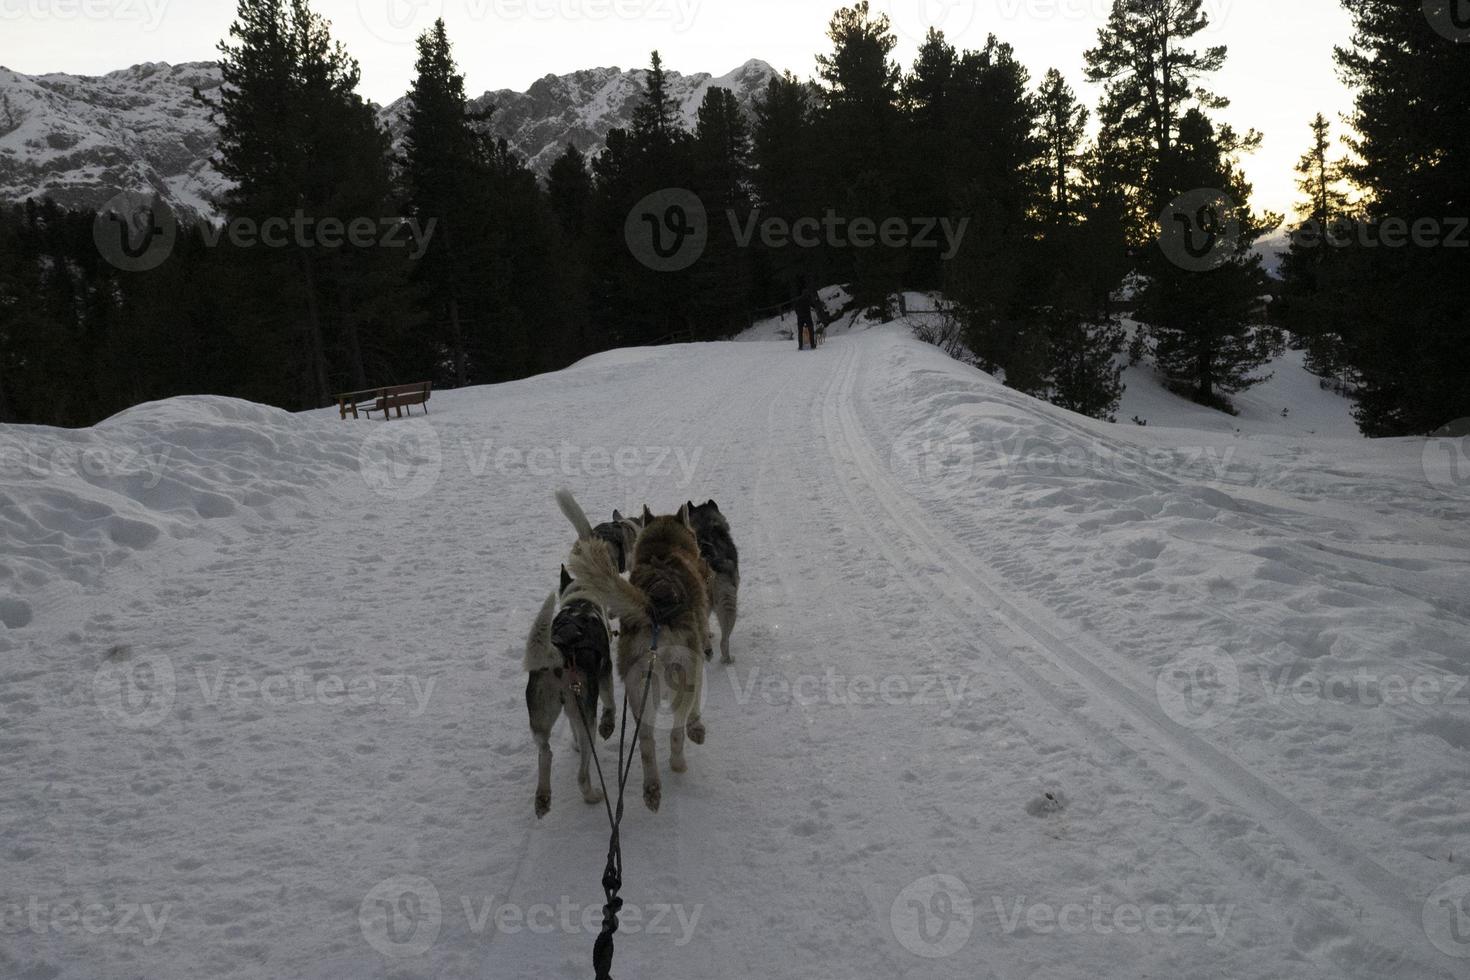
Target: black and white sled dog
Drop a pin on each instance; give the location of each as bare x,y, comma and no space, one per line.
663,618
621,535
569,660
717,548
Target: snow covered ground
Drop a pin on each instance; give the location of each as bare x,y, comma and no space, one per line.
1016,693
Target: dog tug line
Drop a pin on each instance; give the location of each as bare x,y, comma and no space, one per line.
667,595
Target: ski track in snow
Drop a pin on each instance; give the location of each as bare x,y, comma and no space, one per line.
1056,594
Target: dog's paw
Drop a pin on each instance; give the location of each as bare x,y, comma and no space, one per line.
696,732
678,764
608,725
593,796
543,806
725,658
653,795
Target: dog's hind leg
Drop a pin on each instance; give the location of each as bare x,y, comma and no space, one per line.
647,715
543,707
687,706
609,722
585,746
543,773
727,606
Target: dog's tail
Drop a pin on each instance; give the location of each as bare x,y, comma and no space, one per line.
575,514
591,561
540,654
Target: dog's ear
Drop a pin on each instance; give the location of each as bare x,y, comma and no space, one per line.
713,506
647,516
566,579
617,517
690,505
684,517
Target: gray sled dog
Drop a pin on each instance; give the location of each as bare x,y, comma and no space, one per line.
718,549
666,596
569,660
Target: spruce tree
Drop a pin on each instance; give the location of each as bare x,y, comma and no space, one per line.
1208,340
1313,268
1063,125
1151,76
445,164
1412,119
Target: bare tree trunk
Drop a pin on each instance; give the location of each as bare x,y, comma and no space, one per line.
461,361
314,331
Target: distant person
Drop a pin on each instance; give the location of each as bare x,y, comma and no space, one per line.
805,328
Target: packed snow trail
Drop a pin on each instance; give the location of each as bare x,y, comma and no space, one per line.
954,743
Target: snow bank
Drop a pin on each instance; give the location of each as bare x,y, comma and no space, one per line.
75,504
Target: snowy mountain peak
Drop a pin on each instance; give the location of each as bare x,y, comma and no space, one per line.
80,139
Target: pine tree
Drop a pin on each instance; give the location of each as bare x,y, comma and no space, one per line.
1206,334
1151,77
445,163
656,117
858,128
1063,125
297,140
569,190
1412,118
785,179
723,278
1312,269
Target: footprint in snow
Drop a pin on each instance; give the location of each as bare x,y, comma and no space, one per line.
1047,804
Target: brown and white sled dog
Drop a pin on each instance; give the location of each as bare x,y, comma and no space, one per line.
666,597
569,660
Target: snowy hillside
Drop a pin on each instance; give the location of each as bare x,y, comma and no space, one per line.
1016,693
81,140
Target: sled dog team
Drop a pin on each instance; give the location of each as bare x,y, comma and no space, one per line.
679,569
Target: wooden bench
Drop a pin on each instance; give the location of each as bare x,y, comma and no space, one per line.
385,400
